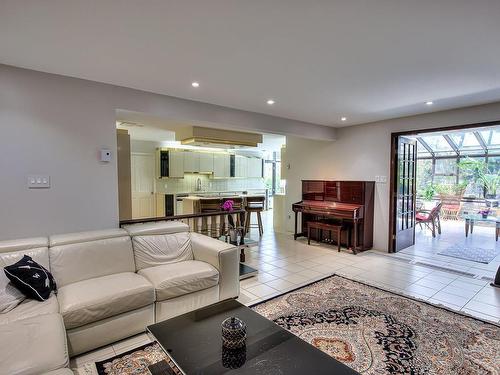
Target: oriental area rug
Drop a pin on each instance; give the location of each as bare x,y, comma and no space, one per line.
371,330
379,332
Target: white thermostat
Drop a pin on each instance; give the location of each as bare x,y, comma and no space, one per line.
105,155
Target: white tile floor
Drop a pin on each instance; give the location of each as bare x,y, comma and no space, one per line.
285,264
426,248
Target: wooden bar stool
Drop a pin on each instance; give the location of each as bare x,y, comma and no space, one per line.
254,204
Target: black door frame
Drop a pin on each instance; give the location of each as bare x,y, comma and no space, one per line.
394,166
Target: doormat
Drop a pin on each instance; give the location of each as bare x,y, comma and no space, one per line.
475,254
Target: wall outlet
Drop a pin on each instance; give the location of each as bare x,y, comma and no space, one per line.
38,181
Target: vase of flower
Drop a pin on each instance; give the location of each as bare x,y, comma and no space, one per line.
485,213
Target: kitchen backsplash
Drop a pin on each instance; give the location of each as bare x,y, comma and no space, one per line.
188,184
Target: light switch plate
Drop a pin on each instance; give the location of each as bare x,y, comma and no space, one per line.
38,181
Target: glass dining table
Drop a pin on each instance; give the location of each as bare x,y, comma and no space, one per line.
471,219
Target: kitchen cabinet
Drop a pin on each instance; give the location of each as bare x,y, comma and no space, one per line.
254,167
206,162
191,162
176,163
169,163
241,166
221,165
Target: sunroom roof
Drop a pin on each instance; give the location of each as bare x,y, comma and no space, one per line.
457,143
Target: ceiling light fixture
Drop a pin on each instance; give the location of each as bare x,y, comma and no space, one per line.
270,102
195,84
343,118
429,102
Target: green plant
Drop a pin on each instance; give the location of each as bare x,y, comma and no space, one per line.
428,193
477,170
451,189
490,182
472,168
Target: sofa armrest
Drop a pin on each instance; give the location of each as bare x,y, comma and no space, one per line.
222,256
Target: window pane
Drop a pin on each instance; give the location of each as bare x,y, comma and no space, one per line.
491,137
446,167
424,175
438,144
422,151
474,188
467,143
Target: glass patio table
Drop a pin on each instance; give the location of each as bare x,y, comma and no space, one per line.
470,219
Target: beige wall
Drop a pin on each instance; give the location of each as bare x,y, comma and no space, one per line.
363,152
55,125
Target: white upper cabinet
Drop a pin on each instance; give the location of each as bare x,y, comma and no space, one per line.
206,162
241,166
254,167
175,163
191,162
221,165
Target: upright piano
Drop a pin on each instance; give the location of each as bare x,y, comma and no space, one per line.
349,203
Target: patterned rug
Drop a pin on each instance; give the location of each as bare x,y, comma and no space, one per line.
378,332
476,254
135,361
370,330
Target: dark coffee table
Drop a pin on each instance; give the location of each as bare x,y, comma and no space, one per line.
193,342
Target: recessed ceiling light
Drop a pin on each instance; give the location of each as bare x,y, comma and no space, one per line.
195,84
270,102
429,102
343,118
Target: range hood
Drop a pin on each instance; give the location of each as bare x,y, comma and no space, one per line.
208,137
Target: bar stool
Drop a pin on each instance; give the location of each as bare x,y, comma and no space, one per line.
254,204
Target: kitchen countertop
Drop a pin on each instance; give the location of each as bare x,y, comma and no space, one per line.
197,197
217,193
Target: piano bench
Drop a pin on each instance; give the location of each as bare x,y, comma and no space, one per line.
320,226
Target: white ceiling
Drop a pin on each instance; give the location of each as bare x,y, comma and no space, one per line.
319,59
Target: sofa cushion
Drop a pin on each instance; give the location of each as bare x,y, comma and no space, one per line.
31,278
35,345
61,371
81,256
29,308
91,300
158,227
176,279
13,250
160,243
10,296
155,250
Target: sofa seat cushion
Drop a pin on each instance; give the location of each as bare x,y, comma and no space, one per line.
95,299
33,346
176,279
29,308
61,371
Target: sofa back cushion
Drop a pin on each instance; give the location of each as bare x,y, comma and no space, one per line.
160,243
86,255
12,251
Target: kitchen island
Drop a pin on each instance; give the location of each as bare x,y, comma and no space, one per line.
193,204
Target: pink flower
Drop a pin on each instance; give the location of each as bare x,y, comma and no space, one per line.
228,205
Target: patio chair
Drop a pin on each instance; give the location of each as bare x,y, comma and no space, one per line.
430,219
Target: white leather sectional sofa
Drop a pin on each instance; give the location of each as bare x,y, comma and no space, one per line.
111,285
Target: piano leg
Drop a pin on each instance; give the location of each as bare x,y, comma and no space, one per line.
355,245
295,233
